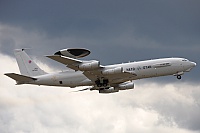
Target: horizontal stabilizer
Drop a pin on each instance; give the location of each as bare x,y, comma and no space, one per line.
82,90
20,79
85,89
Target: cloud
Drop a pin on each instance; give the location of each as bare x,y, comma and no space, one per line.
150,107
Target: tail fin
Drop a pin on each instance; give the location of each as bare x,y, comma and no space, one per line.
26,65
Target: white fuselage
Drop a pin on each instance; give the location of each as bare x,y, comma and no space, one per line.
142,69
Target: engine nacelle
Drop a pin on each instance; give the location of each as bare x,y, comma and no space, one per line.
89,65
109,90
126,86
116,70
73,52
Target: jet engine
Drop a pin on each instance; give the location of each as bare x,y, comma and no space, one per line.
122,86
108,90
73,52
89,65
126,86
116,70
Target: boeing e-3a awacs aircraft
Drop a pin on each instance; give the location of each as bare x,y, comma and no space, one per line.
105,79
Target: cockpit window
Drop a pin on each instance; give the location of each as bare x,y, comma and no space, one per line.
184,60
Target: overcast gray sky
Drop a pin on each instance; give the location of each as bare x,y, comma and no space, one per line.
126,30
115,31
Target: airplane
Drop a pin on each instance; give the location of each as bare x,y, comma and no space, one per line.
105,79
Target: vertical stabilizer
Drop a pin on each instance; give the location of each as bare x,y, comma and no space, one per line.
26,65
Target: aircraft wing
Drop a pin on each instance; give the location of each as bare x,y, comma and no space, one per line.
76,64
70,62
64,60
113,78
93,70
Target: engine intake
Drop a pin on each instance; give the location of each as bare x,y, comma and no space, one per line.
73,52
116,70
122,86
126,86
89,65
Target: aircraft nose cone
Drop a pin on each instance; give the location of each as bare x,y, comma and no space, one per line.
193,64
